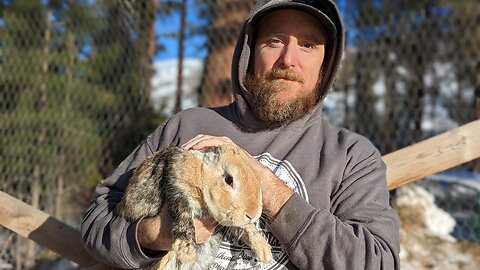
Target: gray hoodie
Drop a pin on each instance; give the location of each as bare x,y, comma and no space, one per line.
339,216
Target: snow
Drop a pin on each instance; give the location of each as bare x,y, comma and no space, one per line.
165,82
426,237
438,222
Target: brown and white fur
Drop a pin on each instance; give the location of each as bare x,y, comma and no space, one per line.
218,182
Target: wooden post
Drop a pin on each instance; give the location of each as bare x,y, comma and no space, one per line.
476,163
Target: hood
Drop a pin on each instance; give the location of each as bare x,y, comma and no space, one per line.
327,13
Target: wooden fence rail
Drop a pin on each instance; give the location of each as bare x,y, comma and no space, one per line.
433,155
403,166
44,229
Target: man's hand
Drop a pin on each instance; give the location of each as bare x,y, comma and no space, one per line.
155,233
201,141
274,192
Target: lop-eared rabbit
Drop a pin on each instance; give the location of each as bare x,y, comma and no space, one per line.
218,182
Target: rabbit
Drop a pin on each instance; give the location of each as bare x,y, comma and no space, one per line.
216,182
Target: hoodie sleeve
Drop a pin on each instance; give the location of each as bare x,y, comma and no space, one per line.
359,231
106,236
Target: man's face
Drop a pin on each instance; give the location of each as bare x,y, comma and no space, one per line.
288,56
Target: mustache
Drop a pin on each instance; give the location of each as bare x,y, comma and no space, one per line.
287,74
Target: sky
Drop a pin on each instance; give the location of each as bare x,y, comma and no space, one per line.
167,25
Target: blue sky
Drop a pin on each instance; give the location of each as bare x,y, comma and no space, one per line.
171,25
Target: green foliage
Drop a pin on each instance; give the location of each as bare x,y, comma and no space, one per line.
72,86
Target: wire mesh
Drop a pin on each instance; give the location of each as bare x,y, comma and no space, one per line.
82,82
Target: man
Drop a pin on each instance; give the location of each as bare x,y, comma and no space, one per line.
325,194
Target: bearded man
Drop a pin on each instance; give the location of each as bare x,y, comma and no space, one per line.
325,197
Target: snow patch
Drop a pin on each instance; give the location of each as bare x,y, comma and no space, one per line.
438,222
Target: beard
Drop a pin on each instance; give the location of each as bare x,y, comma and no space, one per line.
263,95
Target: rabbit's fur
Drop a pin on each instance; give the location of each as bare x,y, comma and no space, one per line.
217,181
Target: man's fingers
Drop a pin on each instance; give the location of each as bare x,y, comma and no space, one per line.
201,141
192,141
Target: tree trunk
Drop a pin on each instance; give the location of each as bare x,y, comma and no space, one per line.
389,115
476,163
147,24
421,71
181,42
227,19
346,88
36,178
347,72
67,107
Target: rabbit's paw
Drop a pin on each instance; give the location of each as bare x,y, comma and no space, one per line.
261,248
165,263
185,251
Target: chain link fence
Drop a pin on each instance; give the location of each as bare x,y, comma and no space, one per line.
82,82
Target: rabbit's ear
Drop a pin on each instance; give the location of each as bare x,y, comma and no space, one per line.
210,158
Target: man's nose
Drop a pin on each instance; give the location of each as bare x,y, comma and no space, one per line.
289,56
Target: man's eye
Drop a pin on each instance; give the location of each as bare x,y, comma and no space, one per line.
274,42
308,46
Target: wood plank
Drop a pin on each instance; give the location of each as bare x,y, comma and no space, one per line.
40,227
433,155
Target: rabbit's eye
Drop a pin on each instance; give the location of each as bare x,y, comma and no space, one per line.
229,180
